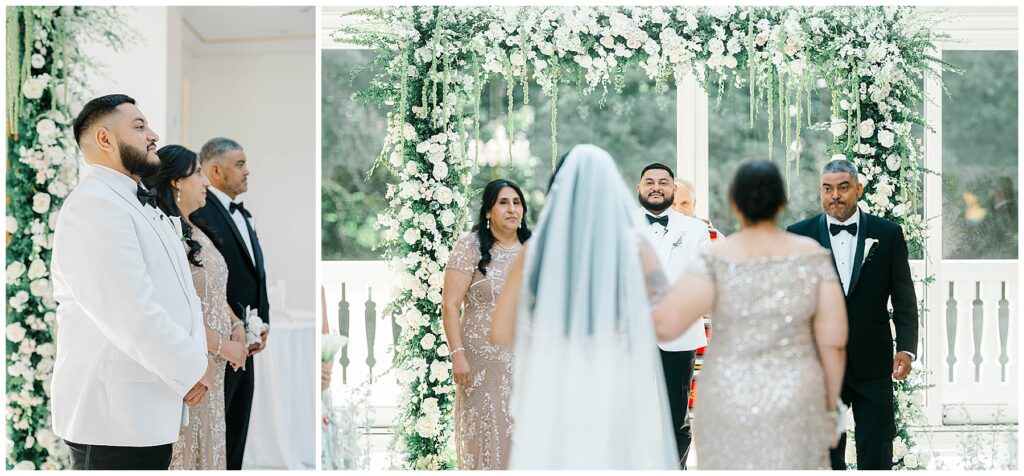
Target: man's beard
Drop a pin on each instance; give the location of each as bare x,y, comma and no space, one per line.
136,161
656,208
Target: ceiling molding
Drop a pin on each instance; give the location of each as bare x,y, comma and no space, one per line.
239,40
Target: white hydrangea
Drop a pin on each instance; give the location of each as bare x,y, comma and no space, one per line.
18,300
41,288
14,271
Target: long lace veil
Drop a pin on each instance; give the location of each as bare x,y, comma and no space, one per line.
588,388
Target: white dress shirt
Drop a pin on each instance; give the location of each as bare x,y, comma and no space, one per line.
238,218
657,229
844,248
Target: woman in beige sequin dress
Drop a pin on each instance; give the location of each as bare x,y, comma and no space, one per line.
181,189
473,278
770,382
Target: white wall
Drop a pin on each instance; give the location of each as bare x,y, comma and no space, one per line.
141,70
266,102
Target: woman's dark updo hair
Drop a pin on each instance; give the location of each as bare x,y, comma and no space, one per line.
490,197
176,162
758,190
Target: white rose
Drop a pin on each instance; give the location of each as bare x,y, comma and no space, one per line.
18,300
761,38
443,351
14,271
33,89
910,460
447,218
429,406
866,128
440,171
46,128
37,269
892,161
608,42
821,83
837,157
57,189
886,138
838,127
12,224
411,236
517,59
844,104
790,48
733,45
409,132
428,341
41,202
584,60
15,333
405,213
426,427
46,349
438,371
899,449
729,62
45,437
444,195
25,466
715,46
41,288
633,43
38,61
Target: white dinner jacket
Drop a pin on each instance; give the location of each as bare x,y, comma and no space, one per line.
682,240
130,335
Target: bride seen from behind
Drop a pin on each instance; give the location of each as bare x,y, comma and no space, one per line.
771,379
588,390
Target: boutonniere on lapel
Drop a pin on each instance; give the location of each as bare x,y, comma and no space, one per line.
679,241
178,230
869,249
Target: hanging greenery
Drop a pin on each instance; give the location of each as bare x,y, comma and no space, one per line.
46,75
433,61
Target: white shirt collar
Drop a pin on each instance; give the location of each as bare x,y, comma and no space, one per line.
656,215
122,181
223,197
855,218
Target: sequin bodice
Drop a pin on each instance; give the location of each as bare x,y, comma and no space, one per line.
761,397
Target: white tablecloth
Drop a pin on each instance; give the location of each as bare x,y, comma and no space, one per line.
282,428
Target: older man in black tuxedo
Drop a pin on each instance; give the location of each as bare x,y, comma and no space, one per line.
224,164
870,254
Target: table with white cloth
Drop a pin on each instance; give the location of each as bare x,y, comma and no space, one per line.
282,426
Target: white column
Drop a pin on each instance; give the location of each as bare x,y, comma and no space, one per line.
692,139
935,318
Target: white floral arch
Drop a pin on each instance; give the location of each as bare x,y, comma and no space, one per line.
433,62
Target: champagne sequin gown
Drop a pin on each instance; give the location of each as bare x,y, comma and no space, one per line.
762,386
483,427
202,444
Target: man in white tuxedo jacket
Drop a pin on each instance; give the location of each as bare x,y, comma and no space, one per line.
131,343
677,239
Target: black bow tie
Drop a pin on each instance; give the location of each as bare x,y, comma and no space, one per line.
241,208
662,219
835,229
146,197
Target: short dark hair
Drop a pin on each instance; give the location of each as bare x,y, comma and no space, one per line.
758,190
97,109
658,166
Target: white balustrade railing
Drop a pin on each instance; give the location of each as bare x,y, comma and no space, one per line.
970,343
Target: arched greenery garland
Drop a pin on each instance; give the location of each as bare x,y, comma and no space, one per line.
433,62
46,74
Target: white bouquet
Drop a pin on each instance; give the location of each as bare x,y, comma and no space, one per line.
330,345
254,326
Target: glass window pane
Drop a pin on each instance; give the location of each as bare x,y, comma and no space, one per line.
636,126
353,134
979,156
731,139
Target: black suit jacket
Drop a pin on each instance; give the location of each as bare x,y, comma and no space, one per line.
884,273
247,282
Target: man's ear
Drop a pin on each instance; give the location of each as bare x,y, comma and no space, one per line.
104,139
